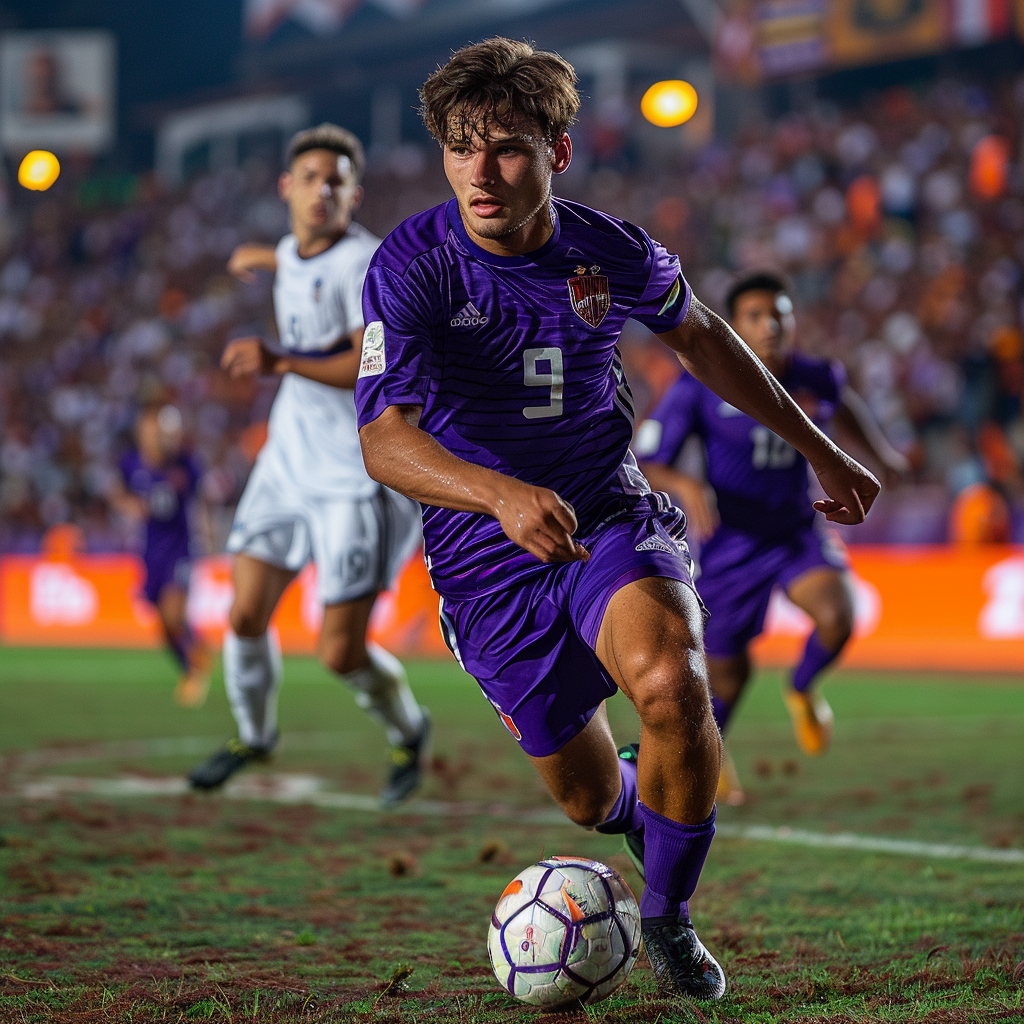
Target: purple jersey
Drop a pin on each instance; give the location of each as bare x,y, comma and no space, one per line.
759,480
168,490
515,364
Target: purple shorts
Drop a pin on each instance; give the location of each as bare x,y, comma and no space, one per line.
738,572
531,646
166,569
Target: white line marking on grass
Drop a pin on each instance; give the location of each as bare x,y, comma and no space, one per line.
171,746
291,788
868,844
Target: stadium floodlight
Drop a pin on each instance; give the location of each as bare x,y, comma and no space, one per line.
670,103
39,170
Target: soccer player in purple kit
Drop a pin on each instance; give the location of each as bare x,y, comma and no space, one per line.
764,531
490,389
158,484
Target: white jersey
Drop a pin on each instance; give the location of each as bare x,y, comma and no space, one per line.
313,436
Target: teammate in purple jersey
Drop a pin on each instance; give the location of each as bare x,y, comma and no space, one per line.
491,390
158,485
761,530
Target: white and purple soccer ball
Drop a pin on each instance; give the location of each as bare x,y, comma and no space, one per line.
566,930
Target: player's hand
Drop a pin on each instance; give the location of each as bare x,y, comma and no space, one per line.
247,356
539,521
851,489
246,259
701,516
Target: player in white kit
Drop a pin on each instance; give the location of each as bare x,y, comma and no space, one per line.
308,496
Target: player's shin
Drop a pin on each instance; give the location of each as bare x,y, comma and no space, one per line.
382,689
673,858
252,677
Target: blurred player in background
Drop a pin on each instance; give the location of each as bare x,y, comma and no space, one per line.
308,496
491,390
756,524
158,485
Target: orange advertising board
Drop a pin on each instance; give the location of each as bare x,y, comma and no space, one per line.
77,600
921,607
928,608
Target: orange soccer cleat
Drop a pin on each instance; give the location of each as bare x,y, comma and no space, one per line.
812,720
192,688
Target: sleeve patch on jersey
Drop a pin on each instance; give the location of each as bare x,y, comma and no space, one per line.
648,438
372,361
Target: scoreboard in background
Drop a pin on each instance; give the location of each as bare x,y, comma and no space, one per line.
785,37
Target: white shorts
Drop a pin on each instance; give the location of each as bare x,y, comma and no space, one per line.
359,545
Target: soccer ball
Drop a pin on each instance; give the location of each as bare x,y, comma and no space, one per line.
565,931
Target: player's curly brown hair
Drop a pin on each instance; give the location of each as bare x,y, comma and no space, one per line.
500,82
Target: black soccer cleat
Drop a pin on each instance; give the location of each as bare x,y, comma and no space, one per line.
408,763
219,767
681,964
634,840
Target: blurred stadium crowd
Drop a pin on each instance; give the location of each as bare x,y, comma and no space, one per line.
900,224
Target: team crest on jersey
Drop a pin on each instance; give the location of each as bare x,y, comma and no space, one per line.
590,295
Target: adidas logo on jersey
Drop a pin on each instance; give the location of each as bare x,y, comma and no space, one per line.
655,544
469,316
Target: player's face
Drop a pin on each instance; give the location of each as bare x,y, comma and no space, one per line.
764,320
502,180
147,437
321,193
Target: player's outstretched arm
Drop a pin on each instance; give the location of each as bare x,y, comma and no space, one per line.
246,356
855,417
712,351
401,456
339,370
247,259
126,503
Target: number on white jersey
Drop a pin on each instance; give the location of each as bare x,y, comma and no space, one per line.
534,378
770,451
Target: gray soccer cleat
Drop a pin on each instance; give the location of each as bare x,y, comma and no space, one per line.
219,767
681,964
409,762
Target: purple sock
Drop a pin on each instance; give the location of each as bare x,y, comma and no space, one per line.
673,857
817,657
625,815
722,710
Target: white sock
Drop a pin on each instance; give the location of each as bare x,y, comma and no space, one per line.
383,691
252,675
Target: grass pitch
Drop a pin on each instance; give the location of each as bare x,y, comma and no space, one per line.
182,908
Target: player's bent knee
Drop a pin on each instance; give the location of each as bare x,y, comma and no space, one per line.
672,695
835,625
587,809
342,657
247,621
